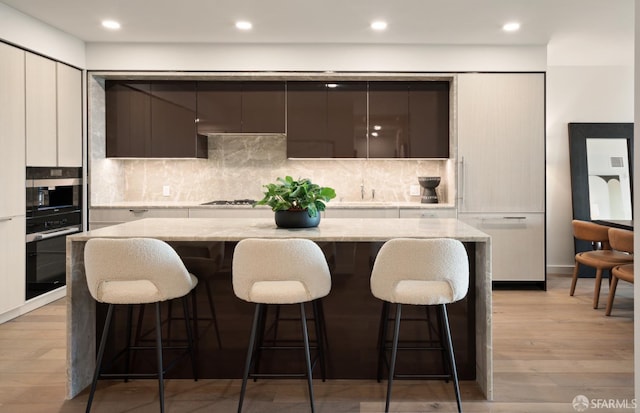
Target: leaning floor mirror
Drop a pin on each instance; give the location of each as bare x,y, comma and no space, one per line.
601,158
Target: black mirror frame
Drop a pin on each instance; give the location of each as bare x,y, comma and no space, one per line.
578,134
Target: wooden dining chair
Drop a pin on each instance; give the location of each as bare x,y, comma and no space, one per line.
620,240
601,258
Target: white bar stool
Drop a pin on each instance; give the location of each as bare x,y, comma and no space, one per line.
279,271
424,272
137,271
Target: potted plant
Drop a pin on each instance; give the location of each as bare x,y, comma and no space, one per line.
296,203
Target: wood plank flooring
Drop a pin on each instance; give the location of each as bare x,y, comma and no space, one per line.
548,348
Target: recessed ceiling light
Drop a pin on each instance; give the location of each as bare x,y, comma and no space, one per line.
379,25
244,25
110,24
377,127
511,27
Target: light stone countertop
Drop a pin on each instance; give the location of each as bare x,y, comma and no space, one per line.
330,229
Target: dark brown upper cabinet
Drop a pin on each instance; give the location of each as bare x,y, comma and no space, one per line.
428,120
326,119
388,119
153,119
241,107
409,119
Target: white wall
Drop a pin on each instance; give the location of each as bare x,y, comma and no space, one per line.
31,34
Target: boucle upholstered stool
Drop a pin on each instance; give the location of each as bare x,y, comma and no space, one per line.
423,272
136,271
279,271
602,258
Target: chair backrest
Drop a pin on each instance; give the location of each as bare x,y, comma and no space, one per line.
143,262
621,240
592,232
440,259
292,259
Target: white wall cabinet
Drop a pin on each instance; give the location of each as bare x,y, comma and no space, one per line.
517,244
41,111
69,111
12,263
501,148
53,113
12,132
501,175
12,178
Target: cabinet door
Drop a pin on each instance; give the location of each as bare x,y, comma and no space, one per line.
41,111
517,244
307,121
69,103
347,119
219,106
263,109
428,120
501,142
128,118
12,263
388,119
12,132
173,119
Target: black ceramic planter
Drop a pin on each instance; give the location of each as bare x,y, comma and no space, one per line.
296,219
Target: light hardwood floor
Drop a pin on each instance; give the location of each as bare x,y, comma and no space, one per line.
548,348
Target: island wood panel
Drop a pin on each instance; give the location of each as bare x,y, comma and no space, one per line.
352,321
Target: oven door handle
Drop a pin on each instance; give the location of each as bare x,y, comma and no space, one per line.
46,235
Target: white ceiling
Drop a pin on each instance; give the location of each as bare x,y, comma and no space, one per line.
468,22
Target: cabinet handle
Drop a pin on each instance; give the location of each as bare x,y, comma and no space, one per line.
462,174
138,211
514,218
6,219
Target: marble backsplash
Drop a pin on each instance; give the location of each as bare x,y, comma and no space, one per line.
238,167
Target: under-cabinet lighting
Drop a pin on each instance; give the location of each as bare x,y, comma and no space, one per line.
332,85
511,27
374,134
110,24
377,127
244,25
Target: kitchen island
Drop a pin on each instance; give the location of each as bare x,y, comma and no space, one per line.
81,308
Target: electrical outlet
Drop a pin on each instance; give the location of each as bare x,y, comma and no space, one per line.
166,190
414,190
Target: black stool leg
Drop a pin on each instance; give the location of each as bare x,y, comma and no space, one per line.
103,341
382,338
452,360
250,349
394,353
307,353
320,338
159,356
212,308
128,341
190,341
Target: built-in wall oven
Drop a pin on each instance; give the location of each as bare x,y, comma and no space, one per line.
54,210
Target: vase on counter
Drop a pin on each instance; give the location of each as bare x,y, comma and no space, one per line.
296,218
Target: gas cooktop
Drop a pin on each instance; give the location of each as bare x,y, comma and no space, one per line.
231,202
